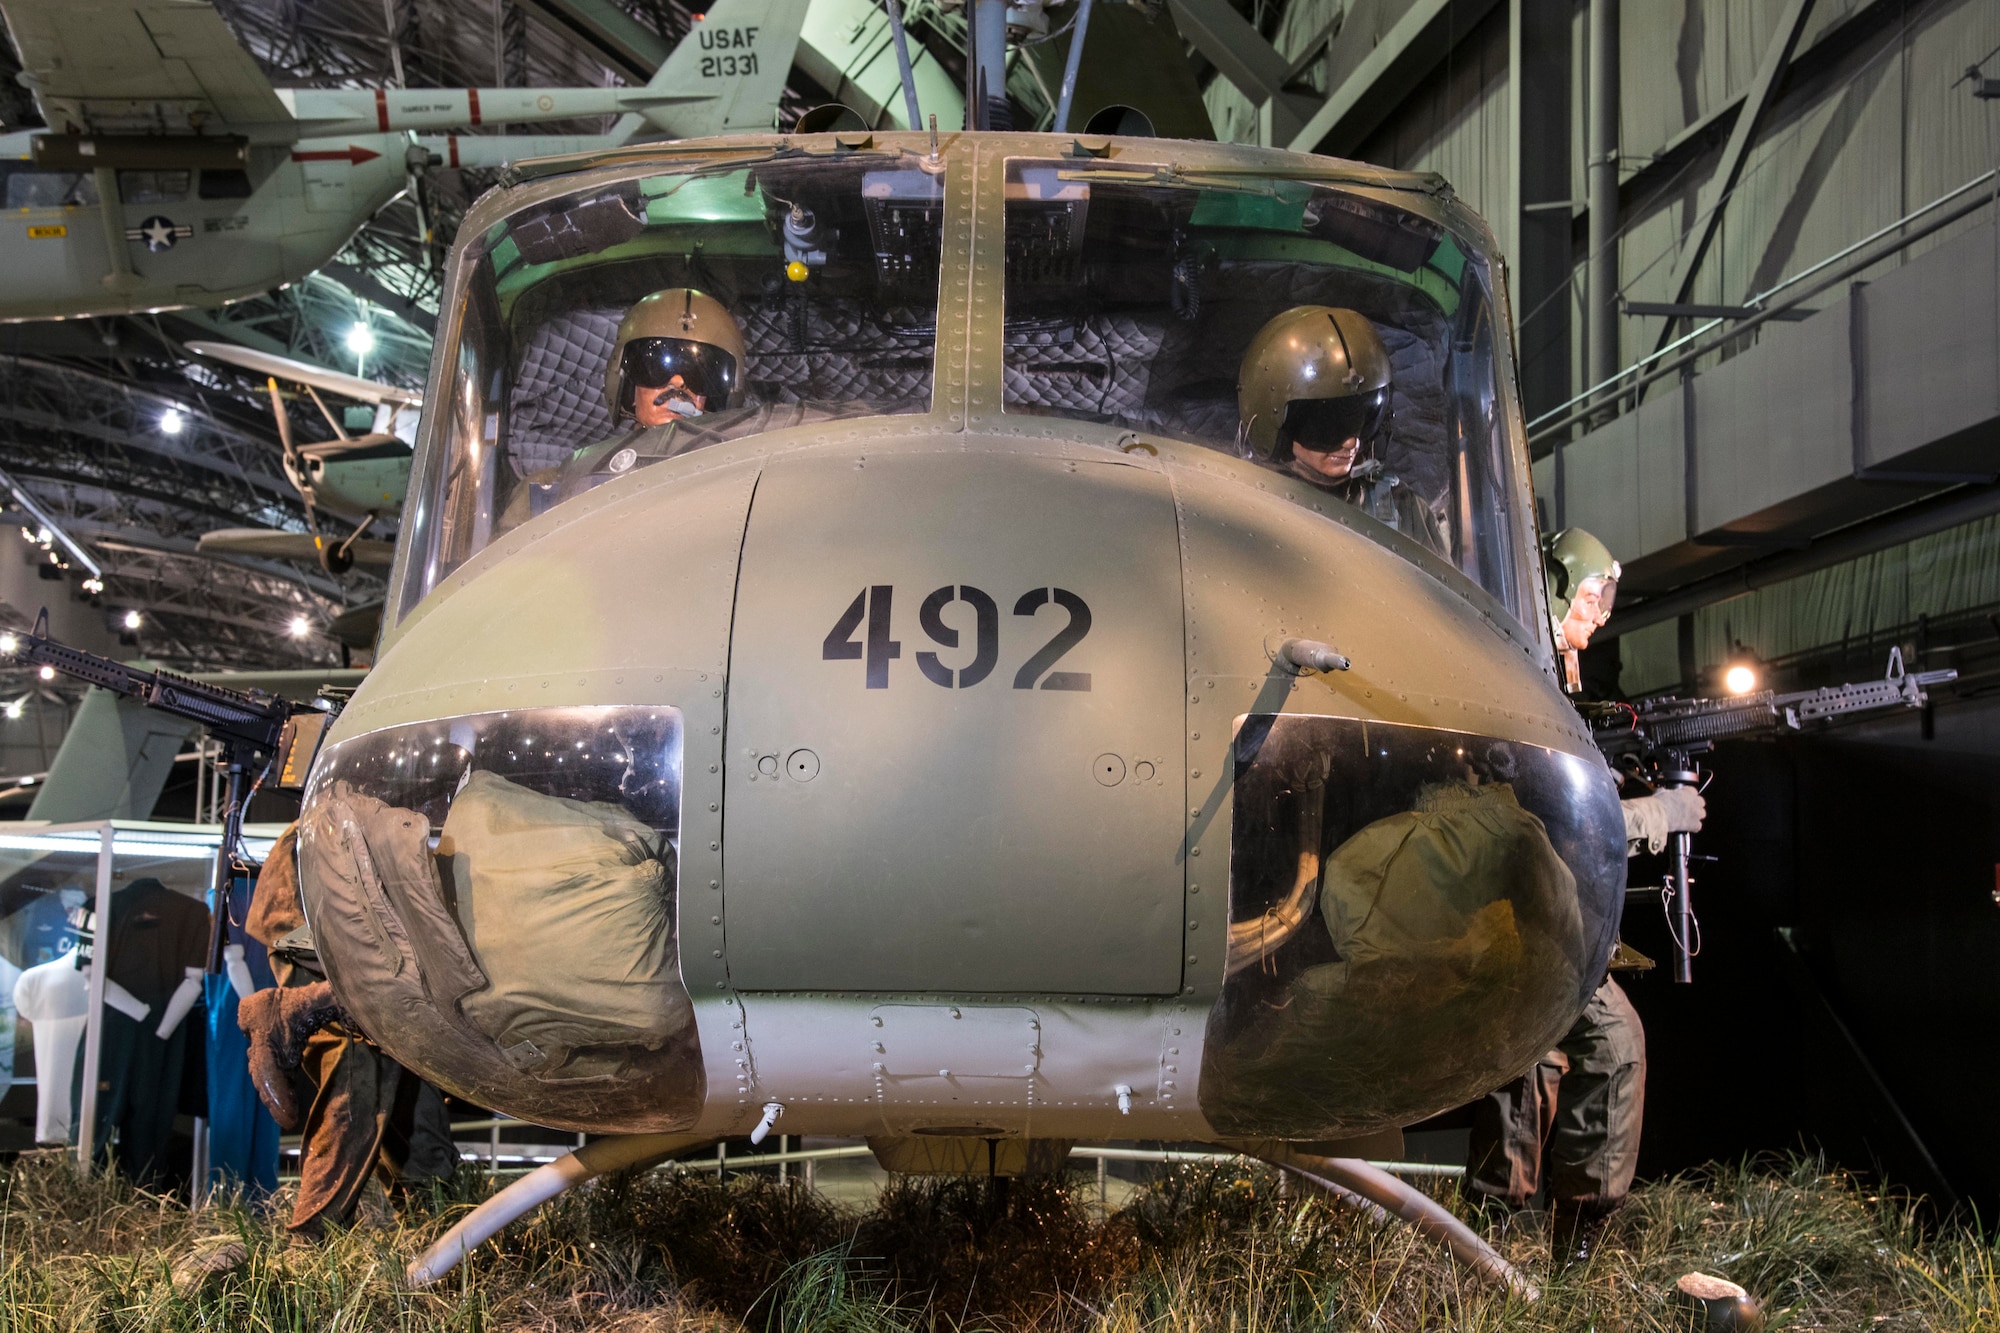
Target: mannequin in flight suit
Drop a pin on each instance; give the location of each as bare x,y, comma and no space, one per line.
1313,399
1578,1113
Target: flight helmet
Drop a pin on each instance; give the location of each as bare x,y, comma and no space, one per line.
1315,375
679,331
1571,556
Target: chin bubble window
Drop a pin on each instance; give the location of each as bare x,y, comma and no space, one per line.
494,895
1408,908
1341,338
612,328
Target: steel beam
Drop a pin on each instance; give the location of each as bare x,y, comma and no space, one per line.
1832,44
1757,100
1242,55
1384,75
607,32
1538,95
1600,171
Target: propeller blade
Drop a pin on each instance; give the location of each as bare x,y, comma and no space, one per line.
284,420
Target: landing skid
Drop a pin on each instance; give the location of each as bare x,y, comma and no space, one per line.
1348,1180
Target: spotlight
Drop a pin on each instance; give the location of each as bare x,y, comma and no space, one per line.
1739,679
93,585
14,711
43,537
361,340
47,673
10,643
133,619
300,627
171,421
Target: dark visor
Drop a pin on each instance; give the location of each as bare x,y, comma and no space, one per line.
1325,424
652,363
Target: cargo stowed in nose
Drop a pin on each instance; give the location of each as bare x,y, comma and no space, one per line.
959,729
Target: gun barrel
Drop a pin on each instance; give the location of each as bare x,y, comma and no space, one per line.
245,719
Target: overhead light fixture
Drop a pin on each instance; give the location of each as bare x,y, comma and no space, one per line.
1739,678
361,340
300,627
14,710
171,421
133,619
47,673
10,643
44,537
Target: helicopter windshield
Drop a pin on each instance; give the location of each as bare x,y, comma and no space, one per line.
1336,339
785,292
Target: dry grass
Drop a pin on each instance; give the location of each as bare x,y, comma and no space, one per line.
1205,1248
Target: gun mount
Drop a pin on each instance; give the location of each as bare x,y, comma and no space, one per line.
1658,742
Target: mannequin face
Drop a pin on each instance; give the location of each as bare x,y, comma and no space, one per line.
655,407
1586,614
1333,464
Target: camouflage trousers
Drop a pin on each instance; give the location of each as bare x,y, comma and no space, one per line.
368,1115
1574,1118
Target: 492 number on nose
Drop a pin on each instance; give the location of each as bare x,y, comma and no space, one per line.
848,640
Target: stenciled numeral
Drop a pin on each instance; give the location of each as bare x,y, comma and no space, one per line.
986,635
874,601
847,641
1066,638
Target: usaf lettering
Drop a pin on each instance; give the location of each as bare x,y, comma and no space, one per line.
728,39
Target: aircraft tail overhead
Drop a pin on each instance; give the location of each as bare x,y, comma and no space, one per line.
727,74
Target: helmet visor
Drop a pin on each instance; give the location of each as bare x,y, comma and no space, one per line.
1325,425
704,371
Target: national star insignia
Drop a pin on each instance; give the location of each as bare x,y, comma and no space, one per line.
159,233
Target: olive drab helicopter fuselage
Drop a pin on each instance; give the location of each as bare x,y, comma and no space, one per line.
943,742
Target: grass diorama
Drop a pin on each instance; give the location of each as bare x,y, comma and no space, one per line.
1213,1246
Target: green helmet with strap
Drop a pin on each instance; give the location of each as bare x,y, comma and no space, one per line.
1570,557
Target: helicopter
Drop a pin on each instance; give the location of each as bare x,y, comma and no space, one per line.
172,174
859,660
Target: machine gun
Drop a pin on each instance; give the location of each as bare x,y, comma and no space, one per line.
1658,742
256,729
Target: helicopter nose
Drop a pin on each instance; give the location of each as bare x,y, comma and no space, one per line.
803,732
955,759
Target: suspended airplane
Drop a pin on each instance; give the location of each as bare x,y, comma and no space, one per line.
358,479
173,174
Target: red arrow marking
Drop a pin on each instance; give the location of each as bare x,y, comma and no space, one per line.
350,154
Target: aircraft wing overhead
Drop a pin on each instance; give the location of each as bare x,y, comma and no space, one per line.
137,66
271,544
304,372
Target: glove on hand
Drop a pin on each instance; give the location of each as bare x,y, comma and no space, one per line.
1651,820
1684,806
277,1021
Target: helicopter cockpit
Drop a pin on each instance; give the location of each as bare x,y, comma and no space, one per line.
1133,291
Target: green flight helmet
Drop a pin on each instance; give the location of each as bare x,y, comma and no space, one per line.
1571,556
677,332
1314,375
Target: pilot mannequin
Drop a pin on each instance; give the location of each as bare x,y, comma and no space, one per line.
1313,398
1583,1103
675,380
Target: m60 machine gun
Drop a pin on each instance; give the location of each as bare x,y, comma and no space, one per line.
1658,742
257,730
